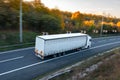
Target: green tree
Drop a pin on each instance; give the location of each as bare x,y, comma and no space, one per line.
8,15
49,24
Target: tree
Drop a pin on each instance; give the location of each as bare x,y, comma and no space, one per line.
77,17
49,24
89,23
58,15
8,15
118,25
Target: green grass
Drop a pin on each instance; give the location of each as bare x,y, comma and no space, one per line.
16,47
8,38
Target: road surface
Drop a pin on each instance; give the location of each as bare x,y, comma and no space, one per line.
22,64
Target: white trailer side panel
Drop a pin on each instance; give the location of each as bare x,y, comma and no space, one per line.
39,45
54,46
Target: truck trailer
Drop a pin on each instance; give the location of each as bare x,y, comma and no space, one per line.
47,45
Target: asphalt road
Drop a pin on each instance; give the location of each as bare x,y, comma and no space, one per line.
22,64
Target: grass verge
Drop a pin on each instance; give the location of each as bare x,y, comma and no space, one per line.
108,70
9,40
16,47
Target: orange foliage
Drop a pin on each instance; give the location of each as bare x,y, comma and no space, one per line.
76,15
118,24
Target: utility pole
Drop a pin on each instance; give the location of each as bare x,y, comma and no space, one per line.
21,37
101,30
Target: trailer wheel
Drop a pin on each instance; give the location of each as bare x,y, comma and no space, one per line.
63,53
59,54
54,55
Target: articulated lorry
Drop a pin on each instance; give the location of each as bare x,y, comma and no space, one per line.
47,45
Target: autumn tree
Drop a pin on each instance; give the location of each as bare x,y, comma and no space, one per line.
118,25
77,18
89,25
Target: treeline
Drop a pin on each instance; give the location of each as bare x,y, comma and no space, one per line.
39,18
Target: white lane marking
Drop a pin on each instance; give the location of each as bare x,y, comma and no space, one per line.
11,59
17,50
106,40
11,71
102,41
105,45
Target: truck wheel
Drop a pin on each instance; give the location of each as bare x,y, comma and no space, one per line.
88,47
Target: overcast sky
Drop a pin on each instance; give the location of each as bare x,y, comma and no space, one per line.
109,7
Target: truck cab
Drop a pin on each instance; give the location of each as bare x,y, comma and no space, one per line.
89,39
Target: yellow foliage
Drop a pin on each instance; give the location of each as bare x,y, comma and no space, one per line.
76,15
89,23
108,23
104,23
111,23
118,24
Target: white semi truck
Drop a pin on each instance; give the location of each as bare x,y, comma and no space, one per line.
47,45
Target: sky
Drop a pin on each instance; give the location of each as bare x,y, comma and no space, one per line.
100,7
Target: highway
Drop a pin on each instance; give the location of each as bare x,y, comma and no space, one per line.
22,64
